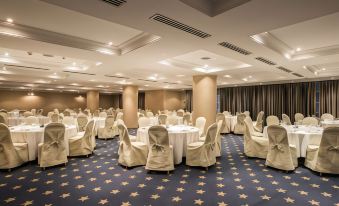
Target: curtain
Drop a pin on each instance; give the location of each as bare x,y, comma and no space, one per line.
120,101
329,97
188,100
141,100
275,99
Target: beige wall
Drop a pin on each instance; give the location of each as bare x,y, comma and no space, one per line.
164,99
10,100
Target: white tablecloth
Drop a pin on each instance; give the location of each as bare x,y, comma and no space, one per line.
301,137
13,114
330,123
14,121
99,122
33,135
179,137
231,121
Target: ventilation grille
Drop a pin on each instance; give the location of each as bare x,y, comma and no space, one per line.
235,48
147,80
170,83
298,75
116,3
26,67
284,69
119,77
266,61
82,73
173,23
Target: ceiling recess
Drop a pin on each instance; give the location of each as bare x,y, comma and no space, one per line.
116,3
266,61
235,48
284,69
113,76
178,25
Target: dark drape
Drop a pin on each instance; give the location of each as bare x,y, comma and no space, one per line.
141,100
120,101
329,97
188,100
274,99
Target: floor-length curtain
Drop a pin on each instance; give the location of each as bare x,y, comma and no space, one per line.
141,100
329,97
188,100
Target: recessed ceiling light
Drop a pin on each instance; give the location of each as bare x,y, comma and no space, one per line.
260,83
110,43
146,85
323,69
250,77
6,54
315,73
118,74
228,76
179,82
92,80
298,49
245,79
304,67
105,51
180,75
287,56
9,20
74,84
74,63
98,63
164,62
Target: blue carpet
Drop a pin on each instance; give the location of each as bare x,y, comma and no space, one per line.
99,180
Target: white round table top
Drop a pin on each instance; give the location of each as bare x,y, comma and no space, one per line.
33,128
174,129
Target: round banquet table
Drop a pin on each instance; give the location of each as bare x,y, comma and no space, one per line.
34,134
13,114
99,122
179,137
231,121
15,121
330,123
301,137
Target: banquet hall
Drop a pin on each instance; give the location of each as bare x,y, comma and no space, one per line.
169,102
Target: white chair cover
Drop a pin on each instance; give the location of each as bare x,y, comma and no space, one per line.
120,115
27,114
226,113
221,116
66,113
200,124
160,155
310,121
55,118
82,122
31,120
3,118
162,118
144,122
110,130
251,128
281,154
259,123
53,150
272,120
298,117
247,113
325,158
327,116
239,127
11,154
103,114
286,119
187,119
180,113
82,144
33,111
149,114
131,153
172,120
254,146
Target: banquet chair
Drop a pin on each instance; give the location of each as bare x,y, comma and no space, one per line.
251,128
49,114
281,154
131,153
53,149
298,117
68,120
286,119
82,144
172,120
31,120
56,111
239,127
324,158
40,112
160,154
21,113
200,124
96,113
187,119
226,113
272,120
120,115
55,118
149,114
27,114
258,125
3,118
218,149
109,131
254,146
144,122
224,127
11,154
180,113
33,111
82,122
203,153
310,121
103,114
247,113
326,116
141,115
162,118
66,113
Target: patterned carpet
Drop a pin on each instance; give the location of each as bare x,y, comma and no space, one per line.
98,180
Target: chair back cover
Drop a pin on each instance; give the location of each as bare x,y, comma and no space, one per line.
55,118
286,119
149,114
247,113
3,118
82,122
200,124
67,113
96,113
160,156
120,115
53,150
123,134
211,134
56,111
180,113
226,113
298,117
259,122
253,148
279,155
27,114
249,124
187,119
40,111
144,122
310,121
162,118
272,120
221,116
88,135
9,157
33,111
327,116
103,114
172,120
31,120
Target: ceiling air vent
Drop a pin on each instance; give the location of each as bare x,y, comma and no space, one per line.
119,77
147,80
82,73
178,25
298,75
116,3
284,69
235,48
266,61
26,67
170,83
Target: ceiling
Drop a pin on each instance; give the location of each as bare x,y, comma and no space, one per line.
76,45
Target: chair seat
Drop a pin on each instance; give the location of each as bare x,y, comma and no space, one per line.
77,137
258,134
20,144
202,139
138,144
194,145
22,149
